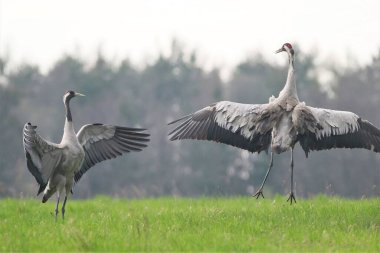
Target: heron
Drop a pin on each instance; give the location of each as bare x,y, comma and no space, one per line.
278,125
56,167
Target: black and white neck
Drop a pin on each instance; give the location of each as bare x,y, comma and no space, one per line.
69,135
66,100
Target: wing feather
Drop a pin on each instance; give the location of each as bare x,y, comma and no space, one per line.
42,156
188,119
102,142
327,129
230,123
195,129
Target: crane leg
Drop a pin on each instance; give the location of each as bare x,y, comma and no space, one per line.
63,208
291,195
56,208
260,191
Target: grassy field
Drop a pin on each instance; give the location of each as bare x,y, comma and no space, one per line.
206,224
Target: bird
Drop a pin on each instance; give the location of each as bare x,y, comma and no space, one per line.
278,126
57,167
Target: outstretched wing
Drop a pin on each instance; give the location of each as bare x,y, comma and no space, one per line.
326,129
244,126
42,157
102,142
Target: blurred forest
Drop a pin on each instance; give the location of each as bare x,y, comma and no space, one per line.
165,89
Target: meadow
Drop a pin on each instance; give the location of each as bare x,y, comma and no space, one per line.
186,224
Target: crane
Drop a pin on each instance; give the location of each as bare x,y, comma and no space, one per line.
278,125
57,166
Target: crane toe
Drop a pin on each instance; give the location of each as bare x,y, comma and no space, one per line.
292,198
258,194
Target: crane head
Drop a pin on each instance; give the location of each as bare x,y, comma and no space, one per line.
70,94
287,47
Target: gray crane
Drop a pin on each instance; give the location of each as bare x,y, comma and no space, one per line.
279,124
57,166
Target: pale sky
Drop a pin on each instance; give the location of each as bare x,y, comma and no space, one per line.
222,32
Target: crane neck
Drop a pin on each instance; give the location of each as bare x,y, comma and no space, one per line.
68,111
290,88
68,131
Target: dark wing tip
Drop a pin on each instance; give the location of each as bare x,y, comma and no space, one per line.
134,129
133,133
180,119
173,138
368,126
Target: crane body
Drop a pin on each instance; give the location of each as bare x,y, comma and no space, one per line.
56,167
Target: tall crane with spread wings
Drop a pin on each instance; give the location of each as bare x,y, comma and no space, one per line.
278,125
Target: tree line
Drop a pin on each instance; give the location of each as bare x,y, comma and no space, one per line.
165,89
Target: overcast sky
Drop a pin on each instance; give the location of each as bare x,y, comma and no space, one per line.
223,32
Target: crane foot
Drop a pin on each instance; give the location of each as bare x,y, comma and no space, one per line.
292,198
258,194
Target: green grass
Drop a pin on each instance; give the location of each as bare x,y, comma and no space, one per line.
206,224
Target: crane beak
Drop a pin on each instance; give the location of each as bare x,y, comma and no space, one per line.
280,50
79,94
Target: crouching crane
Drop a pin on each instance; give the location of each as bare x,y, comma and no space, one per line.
57,166
278,125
